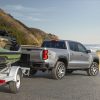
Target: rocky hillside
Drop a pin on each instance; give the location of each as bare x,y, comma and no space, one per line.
24,34
41,35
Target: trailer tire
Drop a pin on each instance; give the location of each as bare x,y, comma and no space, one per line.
15,86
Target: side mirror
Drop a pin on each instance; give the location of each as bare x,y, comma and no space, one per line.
88,51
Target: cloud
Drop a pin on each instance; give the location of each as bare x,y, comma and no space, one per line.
19,8
28,13
36,19
22,8
16,7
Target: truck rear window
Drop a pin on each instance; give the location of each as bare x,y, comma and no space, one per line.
54,44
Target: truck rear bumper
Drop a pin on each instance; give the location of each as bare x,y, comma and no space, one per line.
41,66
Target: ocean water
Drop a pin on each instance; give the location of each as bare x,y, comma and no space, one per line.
93,47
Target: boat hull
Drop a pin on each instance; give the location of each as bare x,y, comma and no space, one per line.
9,57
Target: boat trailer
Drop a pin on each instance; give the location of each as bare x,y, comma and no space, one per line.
10,72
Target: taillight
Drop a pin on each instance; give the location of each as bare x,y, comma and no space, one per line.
2,81
45,54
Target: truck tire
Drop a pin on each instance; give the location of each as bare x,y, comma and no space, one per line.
32,72
58,72
93,70
15,86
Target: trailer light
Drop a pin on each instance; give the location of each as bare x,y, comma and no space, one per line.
2,81
45,54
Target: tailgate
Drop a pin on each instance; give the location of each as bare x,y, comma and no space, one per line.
35,54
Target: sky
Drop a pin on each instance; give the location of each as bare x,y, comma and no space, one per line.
77,20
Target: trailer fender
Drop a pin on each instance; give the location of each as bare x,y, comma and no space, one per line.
13,72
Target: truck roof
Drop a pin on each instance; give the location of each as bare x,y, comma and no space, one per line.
63,40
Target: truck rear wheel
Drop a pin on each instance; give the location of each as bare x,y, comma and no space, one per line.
14,86
58,72
93,70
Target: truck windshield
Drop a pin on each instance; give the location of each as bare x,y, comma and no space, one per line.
54,44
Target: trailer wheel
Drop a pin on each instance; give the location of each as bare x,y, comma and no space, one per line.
14,86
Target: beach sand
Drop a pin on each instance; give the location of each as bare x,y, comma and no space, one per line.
98,53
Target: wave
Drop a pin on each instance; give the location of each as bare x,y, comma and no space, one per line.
93,47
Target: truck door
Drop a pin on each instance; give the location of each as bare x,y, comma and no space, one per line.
84,56
77,55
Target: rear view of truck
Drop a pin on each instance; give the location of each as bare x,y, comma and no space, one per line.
45,58
39,58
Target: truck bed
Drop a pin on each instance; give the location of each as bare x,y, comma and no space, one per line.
32,54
